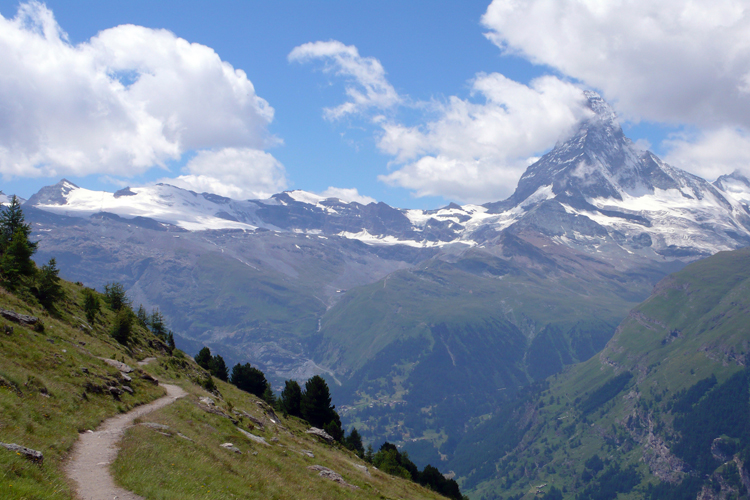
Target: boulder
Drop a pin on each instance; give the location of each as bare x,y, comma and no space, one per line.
331,475
33,455
118,364
253,437
231,447
320,433
19,318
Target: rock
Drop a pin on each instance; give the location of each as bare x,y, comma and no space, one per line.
307,453
115,391
154,425
183,436
127,389
207,401
333,476
19,318
320,433
254,420
253,437
274,439
146,376
363,468
84,369
33,455
118,364
125,377
231,447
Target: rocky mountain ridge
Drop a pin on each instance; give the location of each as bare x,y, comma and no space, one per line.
594,189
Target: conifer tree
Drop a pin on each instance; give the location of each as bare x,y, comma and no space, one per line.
291,397
91,304
218,368
47,288
203,358
316,403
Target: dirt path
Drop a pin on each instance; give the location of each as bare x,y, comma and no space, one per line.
94,451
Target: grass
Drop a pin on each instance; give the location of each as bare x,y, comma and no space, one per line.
53,386
44,399
199,468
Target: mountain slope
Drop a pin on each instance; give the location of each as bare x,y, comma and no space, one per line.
59,378
647,404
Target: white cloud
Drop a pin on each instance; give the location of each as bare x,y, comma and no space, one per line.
477,151
347,194
239,173
668,61
711,153
125,101
367,86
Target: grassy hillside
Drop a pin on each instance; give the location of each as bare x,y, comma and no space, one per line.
662,412
54,385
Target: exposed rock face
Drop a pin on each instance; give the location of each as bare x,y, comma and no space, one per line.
661,462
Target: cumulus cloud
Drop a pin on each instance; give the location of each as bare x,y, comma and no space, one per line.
477,151
474,149
239,173
711,153
367,86
347,194
668,61
128,99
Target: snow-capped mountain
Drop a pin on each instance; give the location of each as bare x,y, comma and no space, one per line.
595,191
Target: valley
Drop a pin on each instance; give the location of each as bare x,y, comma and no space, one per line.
434,328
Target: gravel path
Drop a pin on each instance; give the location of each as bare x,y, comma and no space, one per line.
94,451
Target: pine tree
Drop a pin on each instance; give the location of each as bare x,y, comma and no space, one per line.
91,305
12,220
142,316
316,402
249,379
122,325
15,263
48,289
157,325
291,397
114,294
203,358
354,442
218,368
268,395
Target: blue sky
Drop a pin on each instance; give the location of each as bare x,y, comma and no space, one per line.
436,62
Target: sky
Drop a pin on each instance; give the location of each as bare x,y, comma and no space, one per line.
413,103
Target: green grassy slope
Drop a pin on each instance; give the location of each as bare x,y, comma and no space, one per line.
53,385
628,405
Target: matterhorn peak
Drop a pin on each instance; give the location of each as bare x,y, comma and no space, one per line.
602,110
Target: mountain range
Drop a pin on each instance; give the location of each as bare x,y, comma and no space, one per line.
426,321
